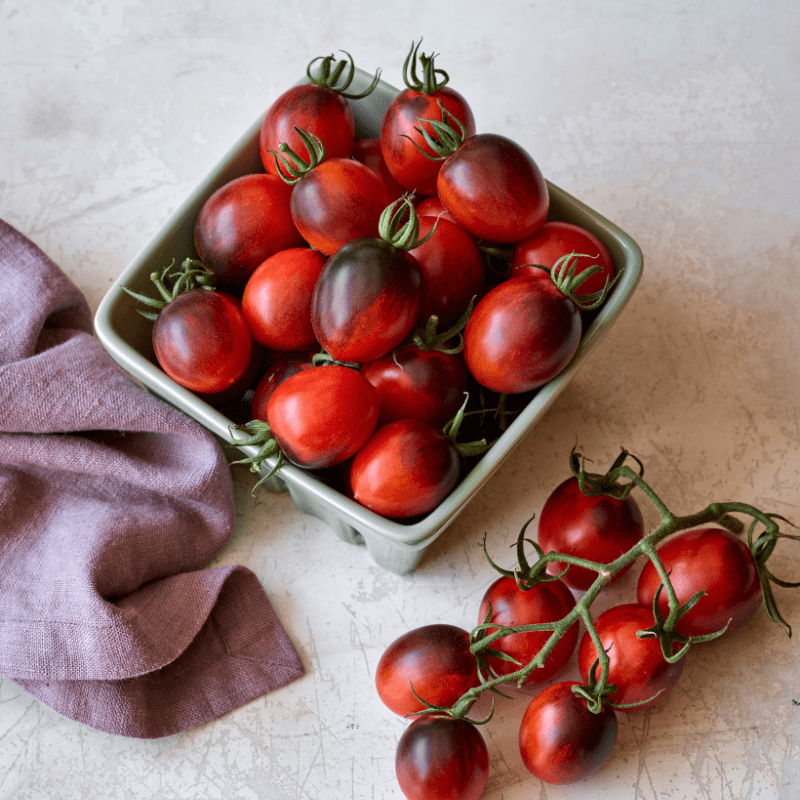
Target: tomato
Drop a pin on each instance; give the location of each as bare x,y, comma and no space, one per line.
366,300
452,270
599,528
242,224
434,660
277,299
522,333
494,189
432,207
637,666
284,366
405,469
712,560
201,340
560,740
545,602
442,758
368,152
418,383
404,148
236,392
556,239
322,416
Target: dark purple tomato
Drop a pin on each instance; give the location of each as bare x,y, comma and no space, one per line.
442,758
434,660
405,469
599,528
560,740
322,416
283,367
366,300
277,299
545,602
201,340
494,189
521,333
637,666
368,152
242,224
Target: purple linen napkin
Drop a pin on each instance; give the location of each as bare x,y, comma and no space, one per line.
112,504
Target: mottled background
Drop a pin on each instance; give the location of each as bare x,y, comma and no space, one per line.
678,121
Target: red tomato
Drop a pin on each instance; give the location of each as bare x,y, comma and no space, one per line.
599,528
277,299
434,660
712,560
201,341
545,602
237,391
442,758
284,366
368,152
432,207
494,189
322,416
557,239
242,224
637,666
521,334
405,469
560,740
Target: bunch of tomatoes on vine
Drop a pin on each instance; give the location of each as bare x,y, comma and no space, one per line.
376,310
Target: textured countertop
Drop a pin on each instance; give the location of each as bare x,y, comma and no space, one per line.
679,125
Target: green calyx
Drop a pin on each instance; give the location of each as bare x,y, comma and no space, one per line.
257,433
452,428
172,281
291,166
449,131
431,79
568,281
429,339
399,224
332,79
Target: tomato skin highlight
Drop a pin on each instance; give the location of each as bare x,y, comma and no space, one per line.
435,660
494,189
560,740
442,758
637,666
322,416
599,528
712,560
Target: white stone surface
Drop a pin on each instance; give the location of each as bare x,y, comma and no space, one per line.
678,121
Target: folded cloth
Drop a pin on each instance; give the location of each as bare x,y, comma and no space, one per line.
112,505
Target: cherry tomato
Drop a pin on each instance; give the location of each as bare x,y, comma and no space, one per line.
259,357
201,340
545,602
242,224
284,366
560,740
434,660
442,758
599,528
405,469
637,666
432,207
277,299
712,560
322,416
366,300
556,239
368,152
494,189
522,333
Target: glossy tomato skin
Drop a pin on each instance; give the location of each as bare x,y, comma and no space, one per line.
432,207
368,152
322,416
521,333
452,270
283,367
494,189
442,758
339,200
560,740
435,660
556,239
277,299
242,224
316,109
711,560
201,340
366,300
401,140
405,469
637,666
545,602
599,528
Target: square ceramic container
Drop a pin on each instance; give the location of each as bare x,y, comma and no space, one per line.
395,546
